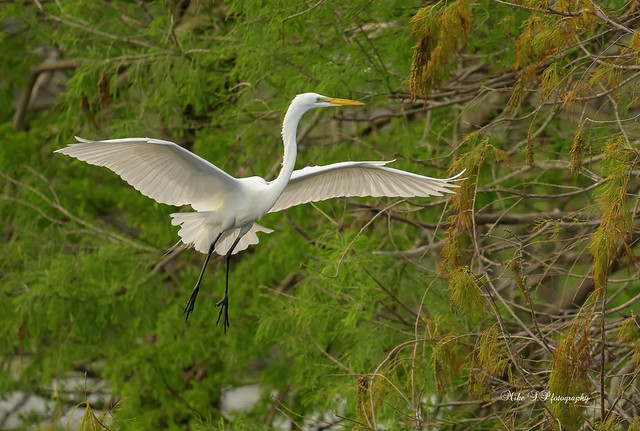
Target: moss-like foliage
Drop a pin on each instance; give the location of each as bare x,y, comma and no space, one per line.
466,294
615,218
569,375
443,30
577,150
492,363
447,358
358,312
464,286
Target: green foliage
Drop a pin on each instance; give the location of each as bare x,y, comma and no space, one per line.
550,80
447,360
577,150
465,292
443,30
628,331
516,267
103,421
569,377
610,425
491,361
628,334
464,286
607,73
615,218
469,162
371,313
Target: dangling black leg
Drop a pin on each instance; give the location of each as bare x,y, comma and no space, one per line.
224,303
194,294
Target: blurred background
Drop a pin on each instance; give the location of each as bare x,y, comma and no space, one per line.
458,312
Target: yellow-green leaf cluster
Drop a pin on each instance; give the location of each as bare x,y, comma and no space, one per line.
538,40
465,293
490,356
612,424
92,421
543,36
550,79
569,373
516,96
464,286
446,359
490,360
365,385
443,32
461,202
607,73
577,150
628,331
635,45
515,266
615,218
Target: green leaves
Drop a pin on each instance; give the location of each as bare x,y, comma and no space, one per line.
414,313
569,377
442,31
615,218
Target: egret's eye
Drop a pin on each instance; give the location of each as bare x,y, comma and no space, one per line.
319,100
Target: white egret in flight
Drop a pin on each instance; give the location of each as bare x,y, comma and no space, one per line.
226,208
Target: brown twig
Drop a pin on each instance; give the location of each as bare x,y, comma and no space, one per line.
295,15
25,96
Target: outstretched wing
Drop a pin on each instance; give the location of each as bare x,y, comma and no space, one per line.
318,183
158,169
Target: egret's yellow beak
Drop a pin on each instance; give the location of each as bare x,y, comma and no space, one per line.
343,101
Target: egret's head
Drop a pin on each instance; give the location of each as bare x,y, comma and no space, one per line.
314,100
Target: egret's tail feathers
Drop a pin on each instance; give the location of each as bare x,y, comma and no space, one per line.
250,238
195,229
200,229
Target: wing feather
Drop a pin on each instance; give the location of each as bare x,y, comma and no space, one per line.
158,169
318,183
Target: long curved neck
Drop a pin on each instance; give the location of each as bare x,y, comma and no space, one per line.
289,127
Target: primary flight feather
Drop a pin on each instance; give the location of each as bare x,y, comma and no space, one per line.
226,208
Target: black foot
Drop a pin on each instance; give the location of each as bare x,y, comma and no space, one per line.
188,309
224,304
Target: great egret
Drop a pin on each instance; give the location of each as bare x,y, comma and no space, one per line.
226,208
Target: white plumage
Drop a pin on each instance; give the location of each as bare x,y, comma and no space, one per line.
347,179
226,208
161,170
